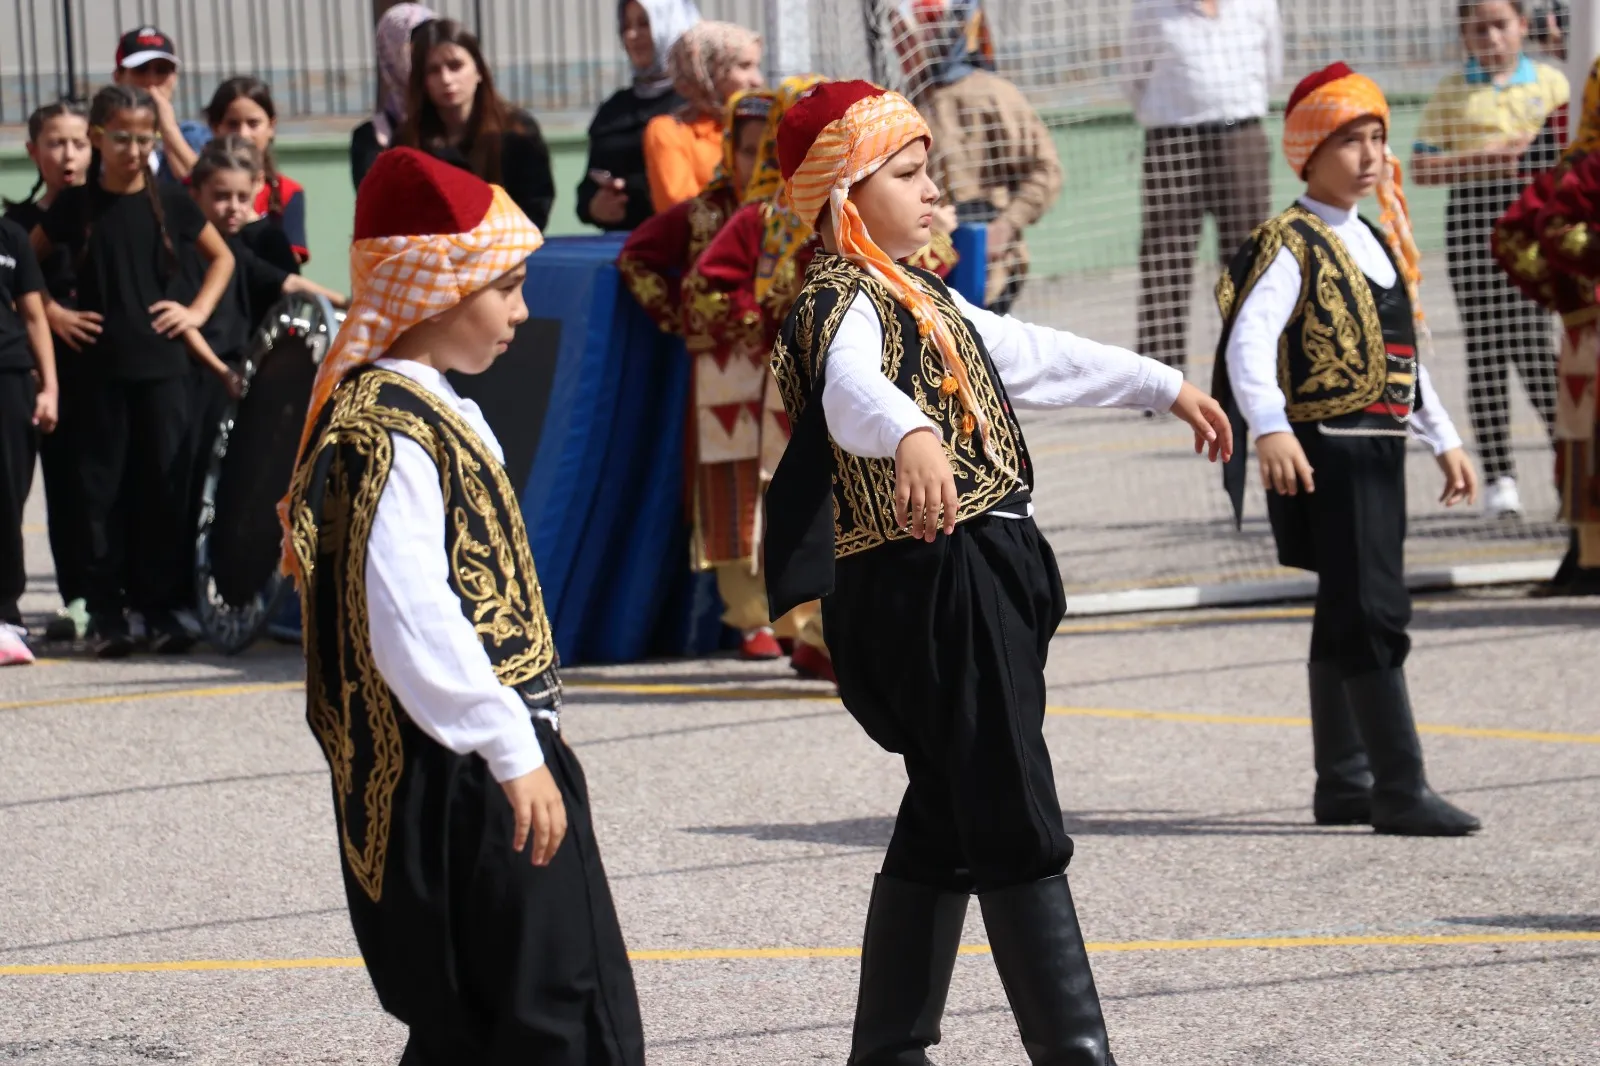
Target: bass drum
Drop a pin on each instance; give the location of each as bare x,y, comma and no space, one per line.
240,586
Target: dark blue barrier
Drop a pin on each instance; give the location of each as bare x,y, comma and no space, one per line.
589,404
972,272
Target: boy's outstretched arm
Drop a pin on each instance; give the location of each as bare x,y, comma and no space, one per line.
1045,368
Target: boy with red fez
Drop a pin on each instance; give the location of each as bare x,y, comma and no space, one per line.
735,298
1320,356
1548,244
903,501
473,878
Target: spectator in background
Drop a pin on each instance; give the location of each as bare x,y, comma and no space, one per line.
58,144
710,62
1199,72
147,59
243,106
994,159
454,114
1475,132
392,50
615,192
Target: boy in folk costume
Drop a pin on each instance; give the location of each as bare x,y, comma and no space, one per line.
1549,245
471,869
734,299
903,501
1319,354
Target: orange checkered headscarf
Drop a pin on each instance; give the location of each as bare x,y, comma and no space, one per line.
1320,105
841,134
427,236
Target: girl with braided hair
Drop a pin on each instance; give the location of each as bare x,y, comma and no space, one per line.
129,239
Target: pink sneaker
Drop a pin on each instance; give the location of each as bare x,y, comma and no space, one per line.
14,651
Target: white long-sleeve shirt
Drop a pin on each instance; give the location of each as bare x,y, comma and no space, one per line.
1253,344
1042,368
1184,68
423,645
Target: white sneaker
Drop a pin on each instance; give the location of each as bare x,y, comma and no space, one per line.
14,650
1500,498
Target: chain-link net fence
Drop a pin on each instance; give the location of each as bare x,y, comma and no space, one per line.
1161,123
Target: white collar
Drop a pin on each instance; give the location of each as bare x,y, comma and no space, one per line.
426,376
1333,216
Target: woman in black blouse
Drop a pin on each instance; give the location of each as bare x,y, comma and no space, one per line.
614,194
454,113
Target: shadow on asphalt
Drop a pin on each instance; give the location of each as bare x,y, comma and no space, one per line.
875,832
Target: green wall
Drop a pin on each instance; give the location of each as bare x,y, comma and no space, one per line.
1094,226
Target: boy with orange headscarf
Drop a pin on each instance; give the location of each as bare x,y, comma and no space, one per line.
471,870
1323,354
904,503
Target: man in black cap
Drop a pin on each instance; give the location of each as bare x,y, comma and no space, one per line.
148,59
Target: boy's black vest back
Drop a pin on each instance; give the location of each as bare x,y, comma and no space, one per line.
825,503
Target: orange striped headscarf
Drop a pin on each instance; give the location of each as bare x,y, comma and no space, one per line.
1321,104
841,134
427,236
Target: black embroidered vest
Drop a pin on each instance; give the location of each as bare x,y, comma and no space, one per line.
825,503
365,735
1348,357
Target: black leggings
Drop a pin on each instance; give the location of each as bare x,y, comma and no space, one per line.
18,445
1503,327
135,472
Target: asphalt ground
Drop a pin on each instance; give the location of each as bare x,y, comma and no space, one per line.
171,883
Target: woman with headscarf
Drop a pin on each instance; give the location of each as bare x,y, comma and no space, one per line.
392,50
614,193
709,64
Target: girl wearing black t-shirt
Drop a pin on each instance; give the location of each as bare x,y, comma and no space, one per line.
58,144
129,240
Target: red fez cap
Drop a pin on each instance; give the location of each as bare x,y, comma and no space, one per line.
1314,81
806,120
409,193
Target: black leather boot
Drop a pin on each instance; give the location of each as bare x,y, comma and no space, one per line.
1402,802
1039,951
1344,780
907,956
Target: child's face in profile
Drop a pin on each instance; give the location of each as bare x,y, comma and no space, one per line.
896,202
227,199
1493,34
1349,164
473,334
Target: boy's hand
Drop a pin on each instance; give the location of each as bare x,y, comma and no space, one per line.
1460,479
1284,467
45,410
173,319
1209,422
77,328
536,803
924,485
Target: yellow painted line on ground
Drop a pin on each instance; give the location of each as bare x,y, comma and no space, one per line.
1268,943
819,695
158,694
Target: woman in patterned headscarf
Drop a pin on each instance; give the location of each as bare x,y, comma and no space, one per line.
708,65
392,49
